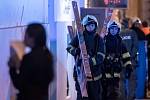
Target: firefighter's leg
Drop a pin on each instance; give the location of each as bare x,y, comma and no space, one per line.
114,89
94,90
123,88
104,89
132,85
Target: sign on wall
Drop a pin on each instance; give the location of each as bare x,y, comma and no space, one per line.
106,3
63,10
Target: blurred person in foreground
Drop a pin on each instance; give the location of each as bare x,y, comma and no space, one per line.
33,74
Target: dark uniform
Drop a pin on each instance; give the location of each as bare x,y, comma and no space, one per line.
35,75
139,32
141,76
95,51
129,37
116,58
130,40
148,52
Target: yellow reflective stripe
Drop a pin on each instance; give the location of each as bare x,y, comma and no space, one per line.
127,63
108,75
116,74
94,61
95,78
126,55
98,77
102,54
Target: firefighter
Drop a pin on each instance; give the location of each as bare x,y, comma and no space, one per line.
95,50
137,27
117,58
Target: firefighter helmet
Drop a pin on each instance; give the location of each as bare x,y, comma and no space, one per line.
113,23
136,20
89,19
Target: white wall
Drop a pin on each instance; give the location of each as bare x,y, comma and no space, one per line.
21,12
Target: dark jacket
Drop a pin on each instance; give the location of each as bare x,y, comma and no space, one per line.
139,32
95,49
117,56
130,40
148,45
36,73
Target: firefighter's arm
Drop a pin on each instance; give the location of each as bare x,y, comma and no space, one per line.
126,61
98,58
73,47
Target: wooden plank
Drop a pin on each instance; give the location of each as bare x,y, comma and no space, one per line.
85,71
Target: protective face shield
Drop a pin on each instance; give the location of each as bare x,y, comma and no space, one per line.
113,27
90,23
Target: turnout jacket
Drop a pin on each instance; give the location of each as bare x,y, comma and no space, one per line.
95,50
129,38
117,56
